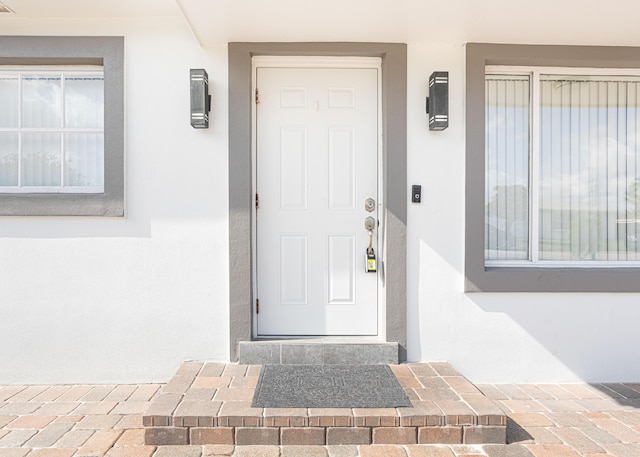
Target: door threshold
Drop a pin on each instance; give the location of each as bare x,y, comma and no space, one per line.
320,339
318,351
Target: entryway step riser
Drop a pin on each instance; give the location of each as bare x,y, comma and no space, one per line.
316,353
284,436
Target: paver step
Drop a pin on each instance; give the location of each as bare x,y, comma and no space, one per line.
210,403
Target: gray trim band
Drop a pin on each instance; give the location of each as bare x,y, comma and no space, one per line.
394,120
106,51
479,278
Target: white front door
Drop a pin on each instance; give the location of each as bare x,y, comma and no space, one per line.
316,165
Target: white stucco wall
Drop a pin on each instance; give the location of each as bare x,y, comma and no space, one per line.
492,337
104,300
127,300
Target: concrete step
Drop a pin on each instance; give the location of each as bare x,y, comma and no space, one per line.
321,351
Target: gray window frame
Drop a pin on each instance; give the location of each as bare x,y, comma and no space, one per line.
109,53
478,277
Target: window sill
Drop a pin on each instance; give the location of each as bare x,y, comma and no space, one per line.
544,265
554,280
61,205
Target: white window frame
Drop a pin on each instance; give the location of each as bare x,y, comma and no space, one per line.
54,70
534,73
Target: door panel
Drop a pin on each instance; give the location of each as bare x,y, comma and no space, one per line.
316,164
341,274
341,180
293,168
293,270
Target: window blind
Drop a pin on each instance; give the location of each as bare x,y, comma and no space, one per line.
507,167
589,188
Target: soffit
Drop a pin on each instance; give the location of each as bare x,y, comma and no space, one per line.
588,22
89,8
428,21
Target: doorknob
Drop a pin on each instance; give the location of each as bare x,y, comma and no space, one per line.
370,224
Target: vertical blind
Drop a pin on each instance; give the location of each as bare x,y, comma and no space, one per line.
587,202
589,168
507,168
8,120
51,130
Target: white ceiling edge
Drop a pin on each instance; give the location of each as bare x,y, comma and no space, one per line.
213,22
193,31
427,21
4,9
73,9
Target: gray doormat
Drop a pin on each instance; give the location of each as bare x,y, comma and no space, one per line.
328,386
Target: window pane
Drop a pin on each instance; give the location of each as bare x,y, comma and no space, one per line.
8,159
84,159
9,94
41,101
507,168
589,187
84,101
41,159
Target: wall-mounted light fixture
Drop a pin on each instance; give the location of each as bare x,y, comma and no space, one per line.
200,98
438,100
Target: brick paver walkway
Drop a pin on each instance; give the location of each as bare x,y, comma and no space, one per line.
568,420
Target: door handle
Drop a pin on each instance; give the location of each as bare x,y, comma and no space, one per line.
370,258
369,224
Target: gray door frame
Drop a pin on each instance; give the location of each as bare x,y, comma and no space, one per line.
394,175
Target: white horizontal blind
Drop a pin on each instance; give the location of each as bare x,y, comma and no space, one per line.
51,130
507,167
589,187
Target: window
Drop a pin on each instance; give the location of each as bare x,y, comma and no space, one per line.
61,126
51,129
562,167
552,168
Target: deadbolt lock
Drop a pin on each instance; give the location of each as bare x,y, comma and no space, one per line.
370,204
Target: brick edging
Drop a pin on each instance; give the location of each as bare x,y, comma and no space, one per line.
458,434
